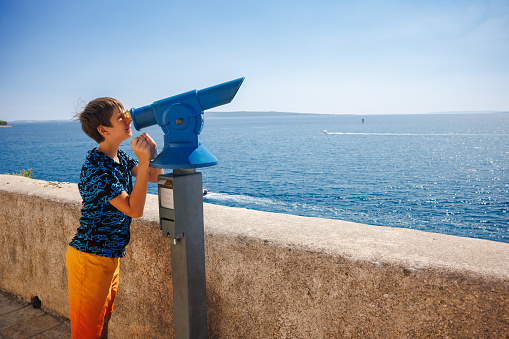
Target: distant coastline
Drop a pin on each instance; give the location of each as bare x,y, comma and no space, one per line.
41,121
255,114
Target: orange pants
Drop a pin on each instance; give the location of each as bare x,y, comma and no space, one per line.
93,284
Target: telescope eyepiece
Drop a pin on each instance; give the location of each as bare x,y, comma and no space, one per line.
126,116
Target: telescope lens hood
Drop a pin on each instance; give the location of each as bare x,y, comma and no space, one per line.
218,95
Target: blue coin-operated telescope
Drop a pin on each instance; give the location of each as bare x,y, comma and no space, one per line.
181,118
181,195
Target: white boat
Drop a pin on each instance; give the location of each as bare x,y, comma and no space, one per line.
323,132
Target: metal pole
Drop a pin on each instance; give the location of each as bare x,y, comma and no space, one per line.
181,217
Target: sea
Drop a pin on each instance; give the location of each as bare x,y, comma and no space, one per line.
443,173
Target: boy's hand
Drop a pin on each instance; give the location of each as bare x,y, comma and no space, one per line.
141,148
151,143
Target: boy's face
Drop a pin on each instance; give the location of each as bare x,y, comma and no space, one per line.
120,129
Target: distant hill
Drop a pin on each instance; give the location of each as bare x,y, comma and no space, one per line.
253,114
469,112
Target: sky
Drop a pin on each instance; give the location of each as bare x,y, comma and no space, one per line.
317,56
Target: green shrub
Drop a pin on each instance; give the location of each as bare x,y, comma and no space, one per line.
24,173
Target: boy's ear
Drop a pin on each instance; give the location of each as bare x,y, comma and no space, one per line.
102,130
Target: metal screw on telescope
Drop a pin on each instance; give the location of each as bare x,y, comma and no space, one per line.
181,195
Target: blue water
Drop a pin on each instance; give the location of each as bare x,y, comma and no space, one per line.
439,173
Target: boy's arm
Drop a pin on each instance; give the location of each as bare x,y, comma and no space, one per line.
153,173
133,204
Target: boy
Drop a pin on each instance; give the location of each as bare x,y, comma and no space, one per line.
110,201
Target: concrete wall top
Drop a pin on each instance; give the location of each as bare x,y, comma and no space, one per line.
415,250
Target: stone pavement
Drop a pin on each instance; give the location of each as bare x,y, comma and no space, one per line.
19,319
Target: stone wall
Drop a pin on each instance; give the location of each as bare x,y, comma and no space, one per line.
268,275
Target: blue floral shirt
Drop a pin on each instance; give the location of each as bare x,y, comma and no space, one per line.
103,229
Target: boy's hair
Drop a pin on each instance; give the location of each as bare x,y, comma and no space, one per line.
98,112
